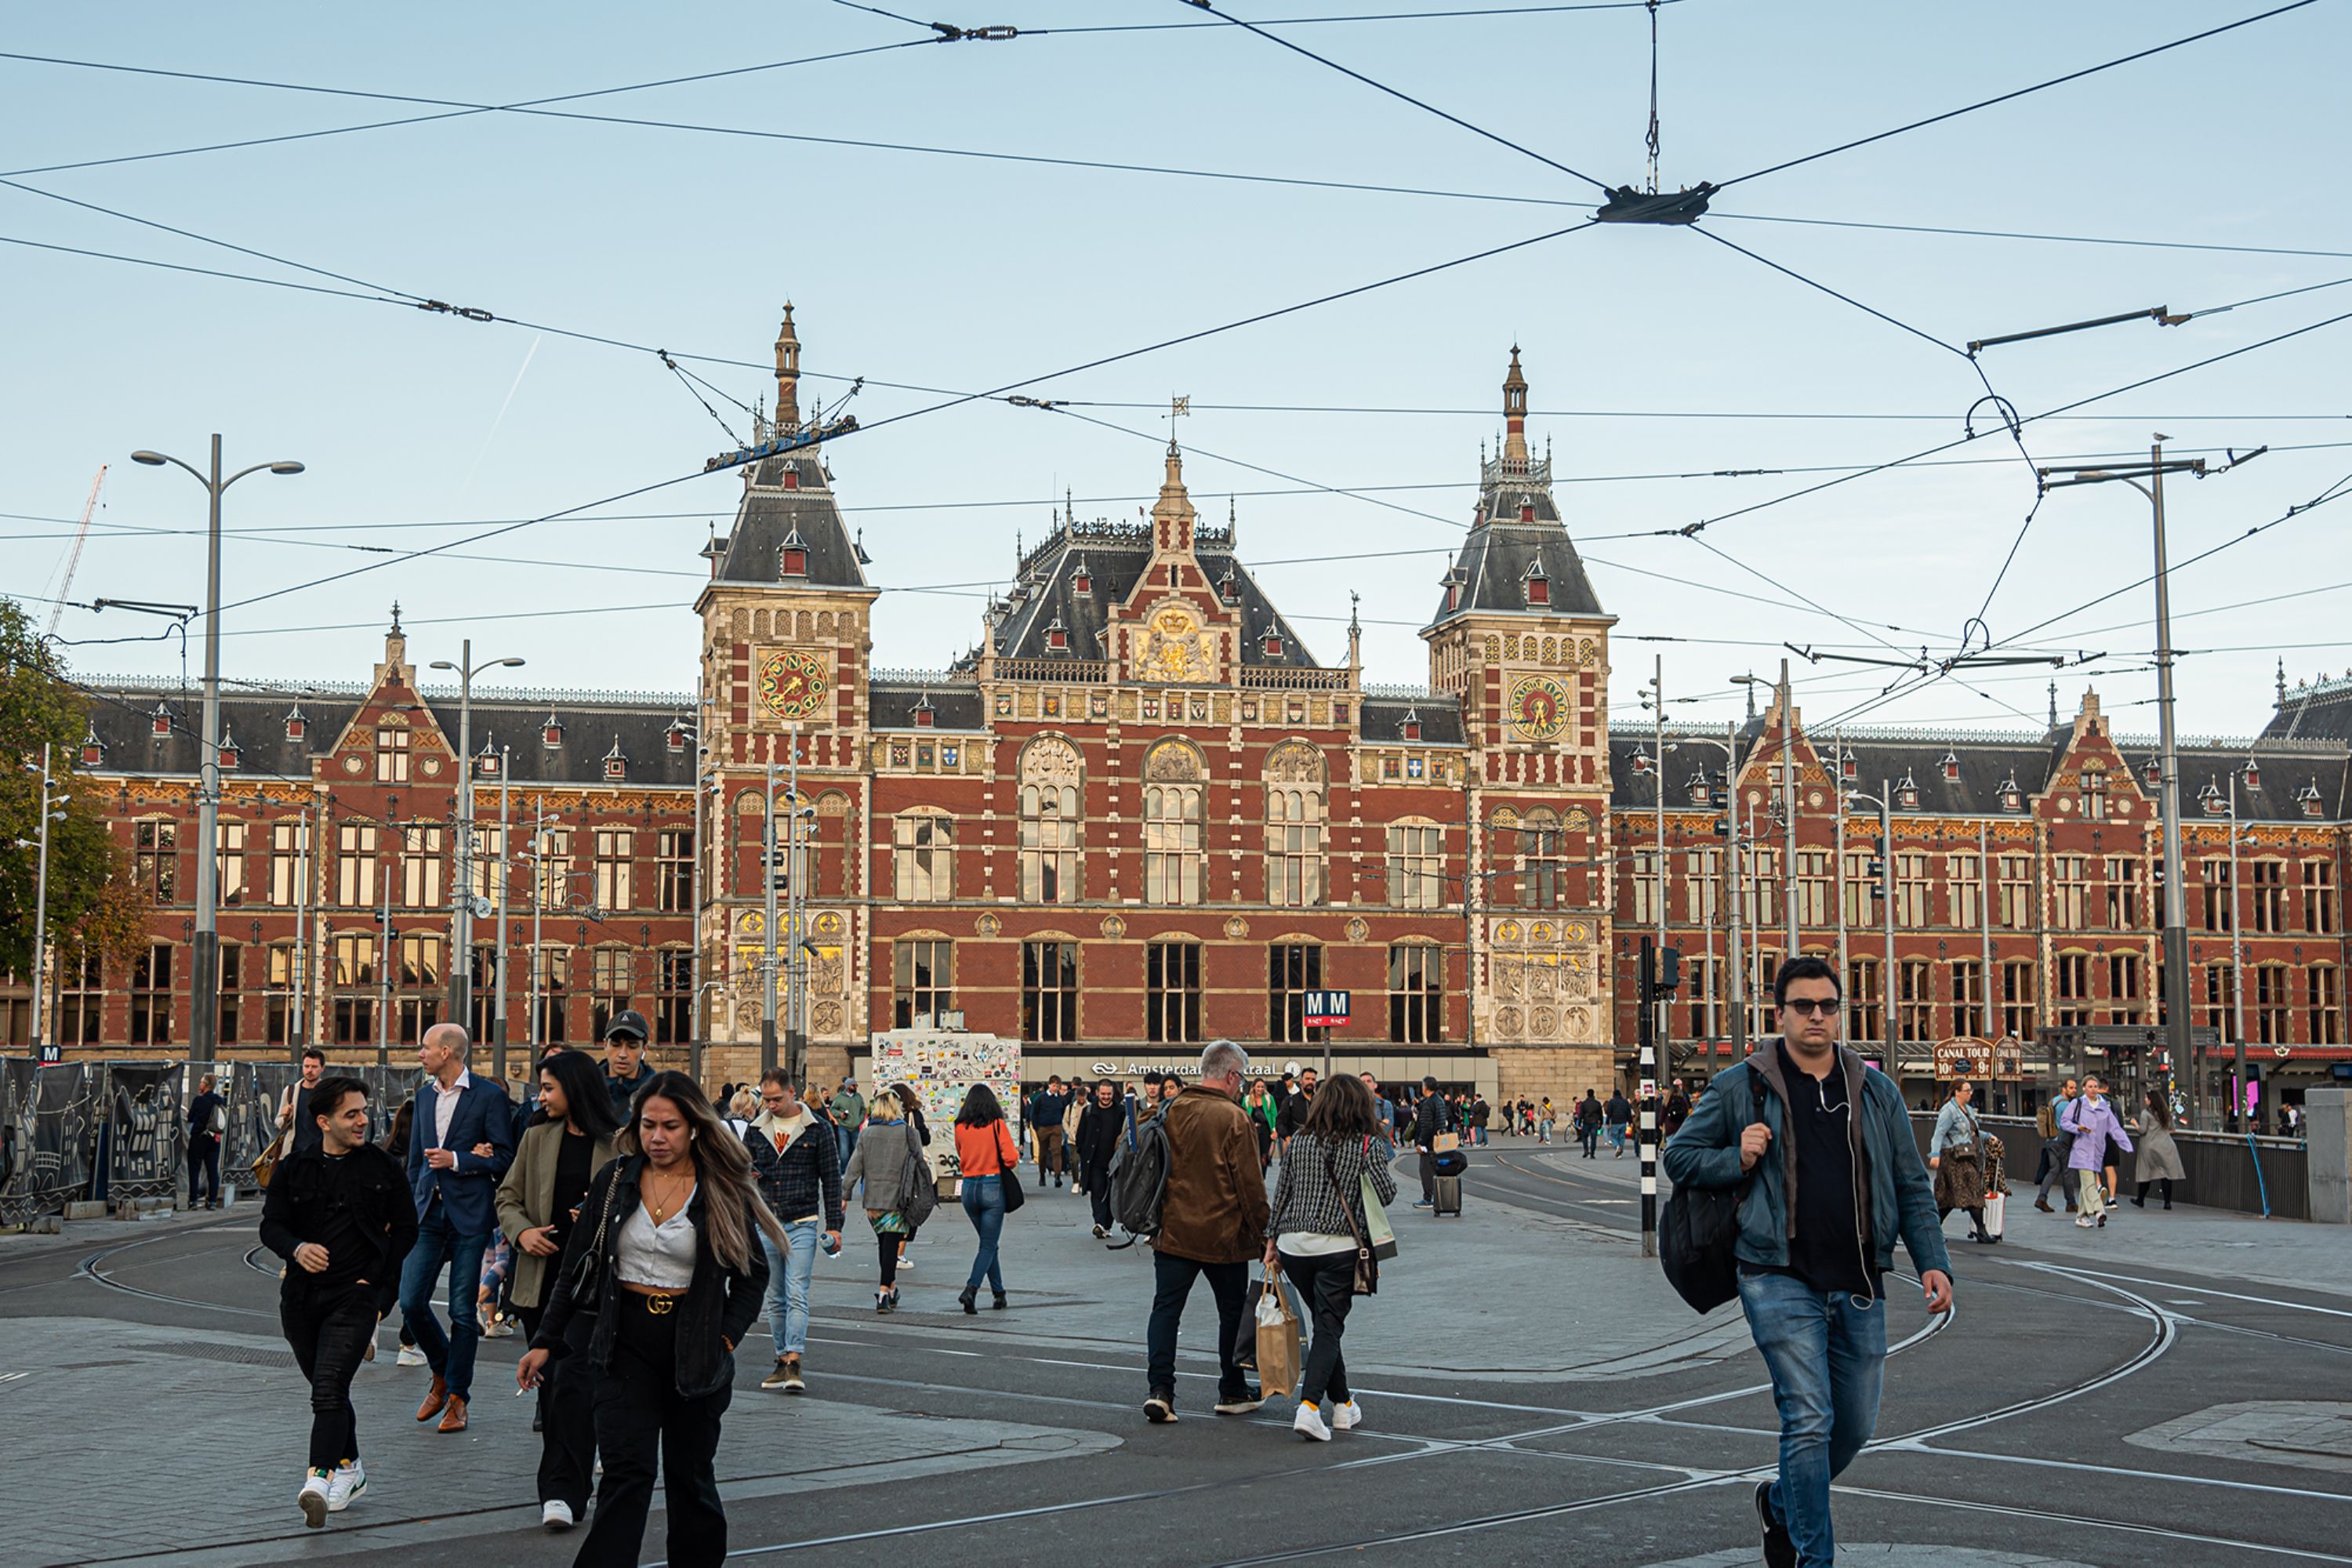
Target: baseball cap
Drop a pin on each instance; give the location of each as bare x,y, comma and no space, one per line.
629,1025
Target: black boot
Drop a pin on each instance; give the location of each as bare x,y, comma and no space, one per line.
998,1303
969,1297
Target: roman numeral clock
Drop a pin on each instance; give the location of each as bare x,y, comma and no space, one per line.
794,682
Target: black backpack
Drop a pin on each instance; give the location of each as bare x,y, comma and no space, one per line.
1701,1226
1139,1176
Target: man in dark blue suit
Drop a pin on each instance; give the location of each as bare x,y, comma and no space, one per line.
460,1141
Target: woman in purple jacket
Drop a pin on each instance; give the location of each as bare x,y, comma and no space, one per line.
2092,1120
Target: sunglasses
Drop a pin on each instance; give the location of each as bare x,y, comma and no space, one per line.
1806,1006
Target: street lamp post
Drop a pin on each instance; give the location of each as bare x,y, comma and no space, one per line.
1737,882
461,901
49,813
203,1025
1887,913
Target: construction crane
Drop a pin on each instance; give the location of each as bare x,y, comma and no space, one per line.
73,556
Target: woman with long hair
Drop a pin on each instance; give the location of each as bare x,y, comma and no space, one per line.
573,1136
984,1151
1316,1231
1260,1109
2158,1164
912,1104
880,1158
666,1257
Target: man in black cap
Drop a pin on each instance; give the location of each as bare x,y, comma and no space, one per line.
624,1060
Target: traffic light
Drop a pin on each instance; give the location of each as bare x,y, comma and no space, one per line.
1669,969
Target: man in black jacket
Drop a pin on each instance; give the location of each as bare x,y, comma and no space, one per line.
340,1213
1292,1115
1100,1125
1047,1109
624,1061
205,1142
1431,1117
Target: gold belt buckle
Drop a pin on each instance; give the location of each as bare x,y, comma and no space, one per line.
661,1306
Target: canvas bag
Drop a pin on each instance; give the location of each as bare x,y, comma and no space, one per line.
1278,1354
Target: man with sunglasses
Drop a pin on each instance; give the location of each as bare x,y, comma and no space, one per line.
1821,1147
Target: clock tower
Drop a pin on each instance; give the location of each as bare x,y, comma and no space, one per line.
786,635
1521,642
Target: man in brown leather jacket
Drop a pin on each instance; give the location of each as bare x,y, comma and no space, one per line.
1212,1221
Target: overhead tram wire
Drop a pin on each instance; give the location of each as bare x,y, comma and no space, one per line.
1714,215
2012,96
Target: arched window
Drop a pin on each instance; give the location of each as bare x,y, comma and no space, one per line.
1172,788
1293,825
925,859
1542,865
1051,822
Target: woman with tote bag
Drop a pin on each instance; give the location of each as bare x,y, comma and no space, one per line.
1319,1234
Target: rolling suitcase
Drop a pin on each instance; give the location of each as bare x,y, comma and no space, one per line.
1449,1197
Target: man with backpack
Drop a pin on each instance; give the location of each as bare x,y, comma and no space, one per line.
1212,1220
1836,1179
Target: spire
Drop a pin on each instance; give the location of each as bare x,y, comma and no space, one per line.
788,376
2053,705
2282,683
1515,415
1751,698
1355,633
1172,516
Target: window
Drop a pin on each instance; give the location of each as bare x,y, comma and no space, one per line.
228,861
279,999
2070,989
289,857
2123,1003
674,871
229,968
613,976
1049,992
1861,890
354,979
151,996
420,867
922,981
1050,822
81,999
2123,893
673,996
1812,887
1542,865
391,755
2017,998
1172,825
554,995
481,1018
1416,867
1914,998
1968,998
2095,793
925,858
2271,1005
355,865
1703,995
615,874
1294,843
1647,894
1703,884
155,857
419,978
1761,966
1764,888
2069,891
1862,1006
2215,892
553,884
1416,993
2221,990
2266,882
2322,996
2319,898
2017,894
1913,890
1292,970
1171,992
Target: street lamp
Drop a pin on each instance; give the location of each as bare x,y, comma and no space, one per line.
461,900
203,1026
49,813
1887,913
1781,695
1735,879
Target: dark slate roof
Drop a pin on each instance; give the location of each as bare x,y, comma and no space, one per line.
1440,716
121,714
1502,545
770,514
955,706
1115,557
2315,712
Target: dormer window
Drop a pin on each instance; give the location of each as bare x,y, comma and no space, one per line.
486,761
1081,580
2212,800
791,558
2013,798
1697,789
1539,588
1057,636
1526,509
2252,776
924,717
1273,642
1227,589
226,756
1848,766
158,723
551,734
791,477
2153,772
2308,798
676,735
1952,766
1641,765
296,726
1411,727
1906,794
617,766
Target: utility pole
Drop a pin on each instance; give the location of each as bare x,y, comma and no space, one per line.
461,903
1646,980
2238,1096
1789,879
1887,913
1984,920
204,992
49,813
768,926
538,907
498,947
1837,854
700,845
1738,880
795,928
296,1032
1654,699
383,965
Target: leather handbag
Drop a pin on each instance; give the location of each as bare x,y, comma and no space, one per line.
588,1273
1009,1177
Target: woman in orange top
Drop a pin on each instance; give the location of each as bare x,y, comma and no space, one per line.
984,1151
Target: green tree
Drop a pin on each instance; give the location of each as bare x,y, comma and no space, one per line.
92,903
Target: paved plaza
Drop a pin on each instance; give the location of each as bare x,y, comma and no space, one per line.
2176,1389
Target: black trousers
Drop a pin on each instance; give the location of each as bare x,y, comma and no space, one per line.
1097,1179
1326,1284
641,1417
567,1418
1428,1177
328,1328
203,1161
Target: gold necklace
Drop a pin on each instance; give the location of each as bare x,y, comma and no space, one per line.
661,1210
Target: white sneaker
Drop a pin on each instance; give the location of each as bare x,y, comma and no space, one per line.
555,1514
1308,1423
313,1496
409,1356
349,1482
501,1330
1346,1416
2085,1222
1100,1233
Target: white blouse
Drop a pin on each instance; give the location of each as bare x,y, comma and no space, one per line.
660,1256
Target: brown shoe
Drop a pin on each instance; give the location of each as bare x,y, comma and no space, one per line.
454,1418
434,1398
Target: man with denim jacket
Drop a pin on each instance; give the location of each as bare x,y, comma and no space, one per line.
1837,1178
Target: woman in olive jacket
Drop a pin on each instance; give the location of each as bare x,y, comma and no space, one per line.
555,1162
668,1235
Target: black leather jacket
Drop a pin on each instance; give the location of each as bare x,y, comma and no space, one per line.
294,1211
719,1306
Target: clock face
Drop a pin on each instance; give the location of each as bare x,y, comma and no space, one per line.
796,682
1538,708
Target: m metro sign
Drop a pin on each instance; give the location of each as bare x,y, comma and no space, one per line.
1326,1008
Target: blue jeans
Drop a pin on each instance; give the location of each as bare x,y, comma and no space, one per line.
844,1137
787,1284
436,1244
984,1204
1827,1354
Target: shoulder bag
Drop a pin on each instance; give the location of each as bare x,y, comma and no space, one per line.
1009,1171
1366,1281
1699,1231
588,1273
1376,1229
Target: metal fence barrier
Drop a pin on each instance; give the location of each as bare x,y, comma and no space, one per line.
2222,1172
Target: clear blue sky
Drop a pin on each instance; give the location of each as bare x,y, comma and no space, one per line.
965,274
